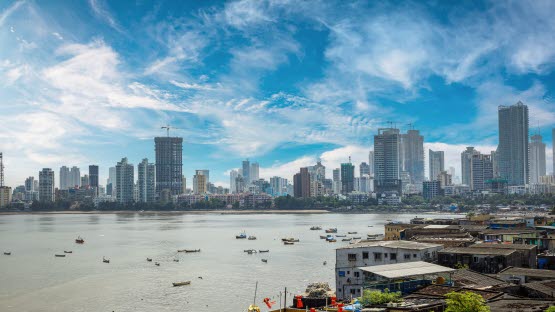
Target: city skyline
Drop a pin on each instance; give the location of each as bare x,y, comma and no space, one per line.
226,75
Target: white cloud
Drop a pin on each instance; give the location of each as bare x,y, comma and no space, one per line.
104,14
4,15
57,35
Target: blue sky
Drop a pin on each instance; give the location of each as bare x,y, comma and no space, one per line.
281,82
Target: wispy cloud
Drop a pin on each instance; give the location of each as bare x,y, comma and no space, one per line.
4,15
100,10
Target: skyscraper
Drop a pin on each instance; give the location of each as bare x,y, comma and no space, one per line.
246,171
301,183
481,171
364,169
347,178
437,163
387,146
46,185
125,184
371,162
412,156
336,184
512,151
93,176
537,159
254,171
553,146
466,164
233,174
111,182
75,177
146,182
65,178
206,178
169,164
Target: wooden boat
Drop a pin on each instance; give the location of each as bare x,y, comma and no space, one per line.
352,232
60,256
105,260
156,264
79,240
149,259
7,253
249,250
290,239
175,260
323,236
347,239
332,240
341,235
68,251
357,237
267,250
288,243
333,230
265,260
192,250
252,238
325,262
181,283
316,228
241,236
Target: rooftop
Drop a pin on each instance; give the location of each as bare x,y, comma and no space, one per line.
528,272
505,246
522,305
544,287
391,244
406,269
472,279
477,251
442,290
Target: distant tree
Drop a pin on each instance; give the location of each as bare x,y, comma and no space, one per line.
465,302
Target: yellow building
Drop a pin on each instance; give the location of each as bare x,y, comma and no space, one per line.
5,196
392,231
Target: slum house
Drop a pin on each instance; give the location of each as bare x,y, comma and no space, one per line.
506,236
431,230
476,280
447,240
525,275
527,253
483,260
395,231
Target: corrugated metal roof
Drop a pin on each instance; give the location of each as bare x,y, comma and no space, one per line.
477,251
406,269
528,272
392,244
504,246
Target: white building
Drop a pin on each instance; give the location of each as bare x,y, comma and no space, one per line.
125,183
349,259
233,174
46,185
146,182
537,159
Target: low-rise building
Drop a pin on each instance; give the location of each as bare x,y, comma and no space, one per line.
395,231
348,259
483,260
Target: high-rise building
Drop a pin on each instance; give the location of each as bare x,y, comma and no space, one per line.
537,159
412,156
513,161
146,182
301,183
336,184
444,179
387,147
431,189
481,171
46,185
246,171
466,164
364,169
278,186
200,186
125,185
363,184
371,162
317,177
65,178
169,164
254,171
233,174
85,180
93,176
347,178
5,191
30,184
111,182
553,146
75,177
437,163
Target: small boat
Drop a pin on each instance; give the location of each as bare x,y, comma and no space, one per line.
325,262
156,263
252,238
265,260
352,232
333,230
79,240
288,243
290,239
250,251
347,239
241,236
181,283
267,250
322,236
175,260
316,228
329,237
370,226
253,308
68,251
192,250
105,260
332,240
7,253
357,237
60,256
341,235
149,259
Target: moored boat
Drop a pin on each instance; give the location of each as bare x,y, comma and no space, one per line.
7,253
290,239
341,235
316,228
156,263
265,260
241,236
288,243
79,240
267,250
357,237
352,232
322,236
68,251
105,260
332,230
347,239
192,250
252,237
149,259
181,283
59,255
175,260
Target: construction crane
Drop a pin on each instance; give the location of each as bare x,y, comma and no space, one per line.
1,171
168,127
411,126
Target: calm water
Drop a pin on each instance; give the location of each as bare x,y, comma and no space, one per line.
32,279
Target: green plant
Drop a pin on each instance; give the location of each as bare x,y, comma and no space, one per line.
370,297
465,302
550,309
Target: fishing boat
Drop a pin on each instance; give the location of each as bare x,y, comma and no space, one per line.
241,236
7,253
175,260
192,250
156,263
347,239
316,228
352,232
333,230
79,240
332,240
59,255
357,237
329,237
265,260
252,237
341,235
267,250
322,236
288,243
370,226
105,260
325,262
290,239
68,251
181,283
149,259
374,236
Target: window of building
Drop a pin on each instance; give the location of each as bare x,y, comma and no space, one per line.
407,256
475,259
393,256
353,291
357,274
352,257
348,272
414,255
385,254
377,256
365,255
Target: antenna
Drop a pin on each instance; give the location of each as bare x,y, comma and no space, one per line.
1,171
